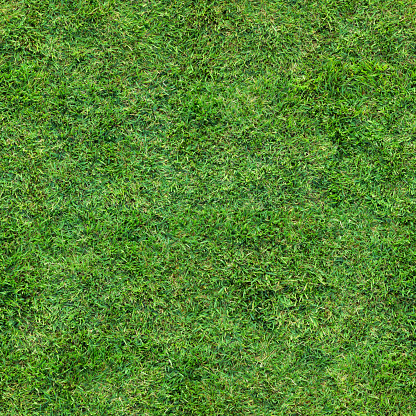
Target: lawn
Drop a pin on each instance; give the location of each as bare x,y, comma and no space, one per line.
207,207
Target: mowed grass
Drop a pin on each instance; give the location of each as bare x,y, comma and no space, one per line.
207,207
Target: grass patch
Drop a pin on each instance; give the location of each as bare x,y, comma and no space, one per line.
207,207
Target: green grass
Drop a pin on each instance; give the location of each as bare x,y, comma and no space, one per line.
207,207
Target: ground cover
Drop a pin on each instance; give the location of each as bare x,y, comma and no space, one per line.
207,207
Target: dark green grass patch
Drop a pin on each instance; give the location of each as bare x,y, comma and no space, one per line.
207,207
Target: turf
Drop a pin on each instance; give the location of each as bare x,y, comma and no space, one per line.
207,207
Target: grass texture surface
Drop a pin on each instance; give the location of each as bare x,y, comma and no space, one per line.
207,207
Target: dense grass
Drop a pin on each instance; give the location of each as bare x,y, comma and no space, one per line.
207,207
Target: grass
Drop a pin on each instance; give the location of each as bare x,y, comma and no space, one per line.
207,207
